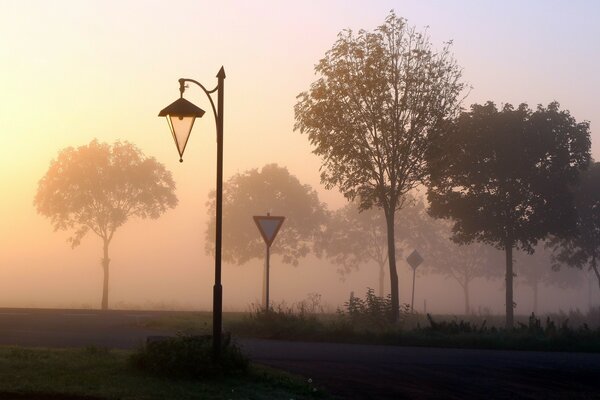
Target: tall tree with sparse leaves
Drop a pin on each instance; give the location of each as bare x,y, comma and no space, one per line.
98,187
503,176
369,114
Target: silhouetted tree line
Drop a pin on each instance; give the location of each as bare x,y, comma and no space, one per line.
384,115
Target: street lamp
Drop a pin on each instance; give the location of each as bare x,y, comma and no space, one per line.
181,115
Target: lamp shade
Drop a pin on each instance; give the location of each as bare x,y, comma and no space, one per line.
181,115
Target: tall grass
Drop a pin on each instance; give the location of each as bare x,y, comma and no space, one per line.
367,320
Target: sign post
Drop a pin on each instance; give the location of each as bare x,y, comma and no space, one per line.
268,227
414,260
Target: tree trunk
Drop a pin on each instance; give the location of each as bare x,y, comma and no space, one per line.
535,298
389,216
105,263
595,267
467,304
509,287
589,293
381,278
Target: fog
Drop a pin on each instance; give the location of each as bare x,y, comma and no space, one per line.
161,264
102,73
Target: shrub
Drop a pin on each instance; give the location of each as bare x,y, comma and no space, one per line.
188,356
372,312
281,322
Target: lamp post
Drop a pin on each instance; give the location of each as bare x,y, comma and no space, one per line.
181,115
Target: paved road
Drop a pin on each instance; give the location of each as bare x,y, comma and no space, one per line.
349,371
392,372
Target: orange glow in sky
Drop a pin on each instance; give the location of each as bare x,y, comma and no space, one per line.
74,70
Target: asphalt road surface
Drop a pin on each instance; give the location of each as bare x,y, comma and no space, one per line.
347,371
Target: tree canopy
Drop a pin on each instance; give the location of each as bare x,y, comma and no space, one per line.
581,247
256,192
369,114
352,237
540,269
461,263
503,176
98,187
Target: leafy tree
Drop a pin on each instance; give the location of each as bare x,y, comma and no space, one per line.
503,177
98,187
272,189
353,237
581,247
539,269
462,263
369,115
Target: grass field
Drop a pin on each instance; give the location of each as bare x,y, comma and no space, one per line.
28,373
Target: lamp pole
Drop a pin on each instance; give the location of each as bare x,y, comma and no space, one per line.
181,115
218,288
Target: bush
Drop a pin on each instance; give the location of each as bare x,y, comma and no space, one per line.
372,312
281,322
187,356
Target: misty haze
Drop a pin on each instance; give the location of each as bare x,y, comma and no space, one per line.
379,199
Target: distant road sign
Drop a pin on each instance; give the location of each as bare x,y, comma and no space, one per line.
414,259
268,227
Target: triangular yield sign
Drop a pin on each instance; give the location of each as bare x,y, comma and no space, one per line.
268,227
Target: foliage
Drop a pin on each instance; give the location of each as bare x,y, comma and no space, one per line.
572,331
98,187
352,237
189,356
298,321
462,263
369,114
539,269
581,247
272,189
371,313
503,176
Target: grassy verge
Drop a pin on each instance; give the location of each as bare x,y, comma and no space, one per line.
108,374
530,333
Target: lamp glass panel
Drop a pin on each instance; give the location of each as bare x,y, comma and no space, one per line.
181,128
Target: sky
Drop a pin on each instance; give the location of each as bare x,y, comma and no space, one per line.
72,71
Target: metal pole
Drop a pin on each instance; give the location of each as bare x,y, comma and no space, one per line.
267,280
264,285
412,301
218,289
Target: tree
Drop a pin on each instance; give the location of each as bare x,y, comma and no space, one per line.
539,269
98,187
352,237
503,177
581,246
369,115
272,189
462,263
